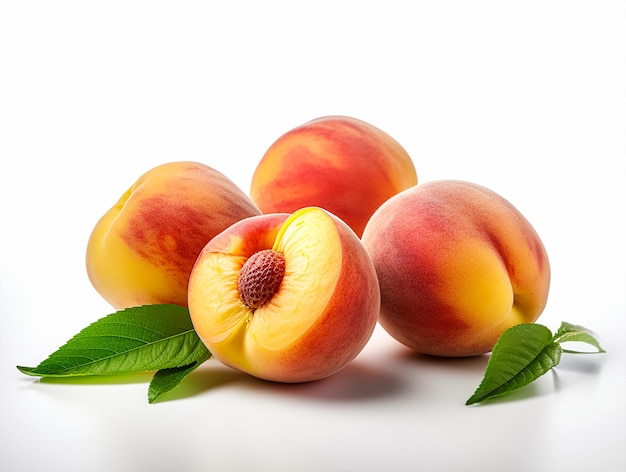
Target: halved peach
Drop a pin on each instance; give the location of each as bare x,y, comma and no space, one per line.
289,298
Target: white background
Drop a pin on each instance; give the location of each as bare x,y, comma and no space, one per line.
527,98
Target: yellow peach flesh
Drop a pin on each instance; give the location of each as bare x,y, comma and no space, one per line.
313,253
312,250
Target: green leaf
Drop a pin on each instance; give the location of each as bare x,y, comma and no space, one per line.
569,332
137,339
522,354
167,379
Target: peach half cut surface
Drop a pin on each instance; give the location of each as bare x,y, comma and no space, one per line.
287,298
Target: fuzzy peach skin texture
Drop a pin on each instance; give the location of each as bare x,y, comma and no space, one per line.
457,264
142,250
340,163
319,318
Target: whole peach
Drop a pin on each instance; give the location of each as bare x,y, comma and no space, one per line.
457,265
342,164
289,298
142,250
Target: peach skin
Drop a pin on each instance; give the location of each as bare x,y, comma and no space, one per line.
457,264
287,298
142,250
342,164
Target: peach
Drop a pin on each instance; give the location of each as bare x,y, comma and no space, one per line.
457,264
142,250
342,164
287,298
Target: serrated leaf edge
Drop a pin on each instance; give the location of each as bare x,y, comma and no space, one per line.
141,311
504,388
154,396
566,330
68,372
